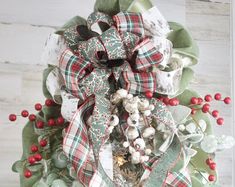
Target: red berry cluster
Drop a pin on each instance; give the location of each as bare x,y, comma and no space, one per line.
32,117
205,106
169,101
212,166
36,157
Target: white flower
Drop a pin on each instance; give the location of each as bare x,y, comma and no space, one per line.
191,128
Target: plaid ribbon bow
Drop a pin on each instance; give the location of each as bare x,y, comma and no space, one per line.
86,72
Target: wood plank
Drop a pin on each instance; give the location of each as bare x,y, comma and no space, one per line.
57,12
22,44
208,20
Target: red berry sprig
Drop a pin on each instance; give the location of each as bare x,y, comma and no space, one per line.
212,166
194,101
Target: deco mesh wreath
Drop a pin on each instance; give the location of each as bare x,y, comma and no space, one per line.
118,111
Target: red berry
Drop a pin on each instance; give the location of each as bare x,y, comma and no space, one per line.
51,122
208,98
166,100
49,102
194,101
193,111
205,108
31,160
40,124
34,148
227,100
38,106
200,100
173,102
215,113
211,178
212,166
60,120
209,161
12,117
217,96
24,113
43,143
220,121
32,117
149,94
27,173
38,157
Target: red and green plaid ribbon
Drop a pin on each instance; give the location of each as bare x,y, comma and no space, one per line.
87,78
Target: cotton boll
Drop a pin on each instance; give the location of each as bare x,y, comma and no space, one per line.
139,143
115,98
132,133
110,129
143,104
131,122
151,107
126,144
148,151
149,132
114,121
129,96
135,116
135,158
147,112
131,149
123,93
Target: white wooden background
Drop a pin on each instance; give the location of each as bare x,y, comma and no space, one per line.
25,24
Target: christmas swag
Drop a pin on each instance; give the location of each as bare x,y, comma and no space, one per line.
118,110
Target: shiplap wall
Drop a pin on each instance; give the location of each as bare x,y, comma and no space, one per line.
25,24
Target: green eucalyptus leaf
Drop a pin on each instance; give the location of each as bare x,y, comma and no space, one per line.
185,98
110,7
40,183
35,167
182,41
77,20
76,184
51,177
196,182
17,166
139,5
199,161
179,113
58,183
125,4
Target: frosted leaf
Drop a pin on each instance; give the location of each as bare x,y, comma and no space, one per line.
209,144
